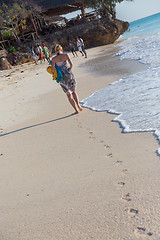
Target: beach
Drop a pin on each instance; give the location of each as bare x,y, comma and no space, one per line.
74,176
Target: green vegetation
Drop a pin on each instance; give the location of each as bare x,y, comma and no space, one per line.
6,34
106,7
12,49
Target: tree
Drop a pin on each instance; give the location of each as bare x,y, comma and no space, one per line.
9,17
106,7
13,15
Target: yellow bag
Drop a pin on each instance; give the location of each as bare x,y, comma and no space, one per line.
54,75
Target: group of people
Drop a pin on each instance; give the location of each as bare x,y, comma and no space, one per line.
39,52
80,47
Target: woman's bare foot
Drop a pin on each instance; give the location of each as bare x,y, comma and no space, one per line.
80,108
76,112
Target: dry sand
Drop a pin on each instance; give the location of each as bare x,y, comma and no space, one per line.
71,177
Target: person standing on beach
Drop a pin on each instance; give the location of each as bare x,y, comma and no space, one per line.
36,50
33,55
41,56
72,47
80,46
67,82
46,52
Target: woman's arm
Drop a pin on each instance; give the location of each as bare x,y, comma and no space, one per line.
70,62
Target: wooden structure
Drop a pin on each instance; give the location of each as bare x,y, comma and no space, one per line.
24,38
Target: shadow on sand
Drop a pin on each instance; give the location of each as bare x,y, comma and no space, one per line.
36,125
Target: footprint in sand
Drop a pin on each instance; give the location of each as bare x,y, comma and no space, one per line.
79,124
1,131
8,75
133,212
142,231
121,184
91,135
109,155
126,197
119,162
107,146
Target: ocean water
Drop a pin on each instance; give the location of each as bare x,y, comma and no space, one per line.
136,99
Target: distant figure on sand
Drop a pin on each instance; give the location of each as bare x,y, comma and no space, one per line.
41,55
68,82
80,46
36,50
39,52
46,52
14,59
33,55
72,47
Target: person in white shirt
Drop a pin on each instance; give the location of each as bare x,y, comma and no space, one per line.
80,46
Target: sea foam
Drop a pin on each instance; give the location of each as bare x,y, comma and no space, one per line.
136,99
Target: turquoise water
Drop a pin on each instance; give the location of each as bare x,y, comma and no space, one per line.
144,26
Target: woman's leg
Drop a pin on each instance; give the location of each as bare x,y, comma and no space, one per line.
75,97
72,102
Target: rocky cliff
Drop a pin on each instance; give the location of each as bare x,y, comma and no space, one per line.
94,33
4,64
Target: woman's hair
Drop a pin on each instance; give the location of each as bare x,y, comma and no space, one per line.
58,48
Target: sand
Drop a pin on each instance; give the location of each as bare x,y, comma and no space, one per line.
71,177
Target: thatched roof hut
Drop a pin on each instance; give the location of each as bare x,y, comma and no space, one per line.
55,7
58,7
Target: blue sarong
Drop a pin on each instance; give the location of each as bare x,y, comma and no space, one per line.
59,74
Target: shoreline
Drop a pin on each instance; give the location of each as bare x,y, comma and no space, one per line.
77,176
